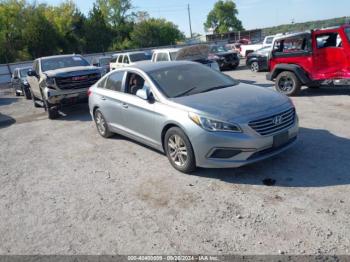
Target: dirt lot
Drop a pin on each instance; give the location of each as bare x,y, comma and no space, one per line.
66,190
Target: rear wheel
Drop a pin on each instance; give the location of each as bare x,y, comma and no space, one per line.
179,150
254,67
101,124
288,83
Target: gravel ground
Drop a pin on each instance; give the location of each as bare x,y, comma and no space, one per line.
66,190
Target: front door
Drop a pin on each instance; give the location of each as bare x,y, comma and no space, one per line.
329,55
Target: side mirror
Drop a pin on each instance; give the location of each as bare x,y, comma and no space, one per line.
143,93
31,73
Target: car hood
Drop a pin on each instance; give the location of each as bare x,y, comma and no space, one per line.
225,53
233,103
73,71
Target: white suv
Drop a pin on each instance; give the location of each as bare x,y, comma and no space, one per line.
127,59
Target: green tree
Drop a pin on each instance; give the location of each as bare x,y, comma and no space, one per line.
41,37
155,32
116,12
98,34
223,17
12,14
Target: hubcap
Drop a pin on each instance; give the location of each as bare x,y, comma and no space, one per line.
255,67
100,123
177,150
286,84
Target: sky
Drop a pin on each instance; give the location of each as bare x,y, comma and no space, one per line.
253,13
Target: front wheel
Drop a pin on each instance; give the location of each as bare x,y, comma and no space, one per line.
179,150
52,111
288,83
27,93
254,67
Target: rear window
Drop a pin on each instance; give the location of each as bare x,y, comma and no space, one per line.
175,81
62,62
105,61
138,57
114,81
328,40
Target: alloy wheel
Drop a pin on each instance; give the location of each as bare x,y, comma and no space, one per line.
177,150
254,67
286,84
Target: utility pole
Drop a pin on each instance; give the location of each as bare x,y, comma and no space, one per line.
189,18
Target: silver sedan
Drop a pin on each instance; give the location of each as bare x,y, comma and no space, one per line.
197,116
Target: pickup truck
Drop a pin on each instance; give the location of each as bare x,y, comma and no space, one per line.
246,49
58,80
311,59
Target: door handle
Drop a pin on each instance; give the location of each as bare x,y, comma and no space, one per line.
103,98
125,105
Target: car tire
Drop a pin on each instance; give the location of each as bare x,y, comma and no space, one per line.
179,150
101,124
27,93
17,94
254,67
288,83
52,111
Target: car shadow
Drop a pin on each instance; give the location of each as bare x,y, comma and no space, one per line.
78,112
4,101
319,159
6,121
326,91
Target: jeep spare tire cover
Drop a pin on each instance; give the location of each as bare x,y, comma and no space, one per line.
193,53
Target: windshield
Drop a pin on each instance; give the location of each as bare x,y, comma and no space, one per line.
269,40
62,62
105,61
23,72
189,79
173,55
218,48
138,57
347,32
264,48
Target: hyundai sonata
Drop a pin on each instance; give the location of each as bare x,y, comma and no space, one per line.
197,116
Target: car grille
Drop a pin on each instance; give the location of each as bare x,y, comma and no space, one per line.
76,82
231,58
275,123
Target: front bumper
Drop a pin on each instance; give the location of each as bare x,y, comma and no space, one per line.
251,146
55,97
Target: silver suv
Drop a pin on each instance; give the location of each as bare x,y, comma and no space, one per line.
57,80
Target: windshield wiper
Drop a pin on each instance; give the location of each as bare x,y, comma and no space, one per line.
186,92
215,88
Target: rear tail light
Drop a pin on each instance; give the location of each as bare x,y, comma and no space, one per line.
89,92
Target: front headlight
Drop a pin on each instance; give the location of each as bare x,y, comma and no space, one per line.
50,81
214,125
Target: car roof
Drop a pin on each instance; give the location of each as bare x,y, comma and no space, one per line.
149,66
58,56
130,53
21,68
166,50
291,35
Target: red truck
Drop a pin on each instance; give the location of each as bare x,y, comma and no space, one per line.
310,58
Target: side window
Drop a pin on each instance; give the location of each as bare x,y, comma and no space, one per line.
162,57
102,83
114,59
126,59
292,45
120,59
114,81
134,82
328,40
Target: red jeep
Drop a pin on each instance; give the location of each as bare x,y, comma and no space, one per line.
310,59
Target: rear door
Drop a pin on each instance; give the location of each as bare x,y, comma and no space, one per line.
329,54
110,99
